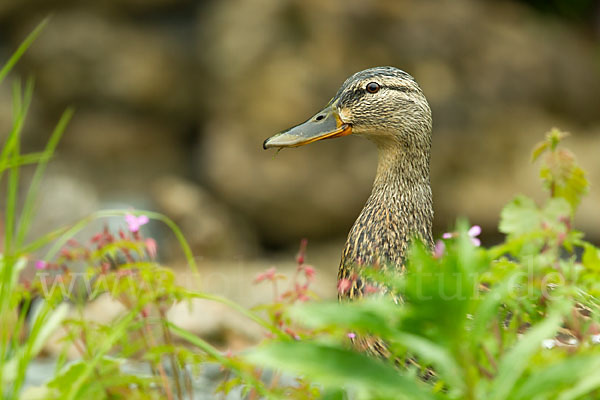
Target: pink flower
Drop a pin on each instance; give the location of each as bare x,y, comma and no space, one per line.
301,252
344,285
134,223
473,233
267,275
351,335
292,333
309,272
439,249
41,264
151,247
371,289
302,297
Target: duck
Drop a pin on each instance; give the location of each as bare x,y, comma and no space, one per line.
386,106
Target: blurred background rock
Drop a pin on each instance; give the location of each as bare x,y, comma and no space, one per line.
174,98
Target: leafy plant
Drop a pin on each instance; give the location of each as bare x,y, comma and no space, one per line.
15,300
516,321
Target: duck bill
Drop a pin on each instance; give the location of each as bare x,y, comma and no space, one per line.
326,124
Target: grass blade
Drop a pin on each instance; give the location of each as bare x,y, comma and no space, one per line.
27,212
21,49
223,300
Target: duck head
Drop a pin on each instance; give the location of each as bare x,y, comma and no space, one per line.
383,104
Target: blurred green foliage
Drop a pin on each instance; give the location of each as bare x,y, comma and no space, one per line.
516,321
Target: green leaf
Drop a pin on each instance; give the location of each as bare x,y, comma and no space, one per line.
519,216
574,187
555,209
335,367
334,394
21,49
373,315
591,257
44,323
27,212
539,149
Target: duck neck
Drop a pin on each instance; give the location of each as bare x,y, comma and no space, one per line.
399,208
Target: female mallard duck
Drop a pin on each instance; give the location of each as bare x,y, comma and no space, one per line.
385,105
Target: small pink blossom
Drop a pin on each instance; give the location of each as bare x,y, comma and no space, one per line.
267,275
309,272
151,247
302,297
369,289
351,335
41,264
302,252
344,285
473,233
439,249
293,334
134,223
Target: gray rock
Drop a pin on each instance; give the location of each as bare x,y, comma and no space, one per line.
495,88
211,229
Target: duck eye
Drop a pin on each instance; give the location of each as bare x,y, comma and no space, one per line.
373,87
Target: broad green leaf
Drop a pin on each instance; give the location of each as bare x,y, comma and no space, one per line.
374,315
555,209
336,367
519,216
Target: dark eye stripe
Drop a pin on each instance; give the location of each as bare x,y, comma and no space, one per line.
361,91
400,88
404,89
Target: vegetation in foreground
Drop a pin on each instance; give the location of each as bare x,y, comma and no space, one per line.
515,321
